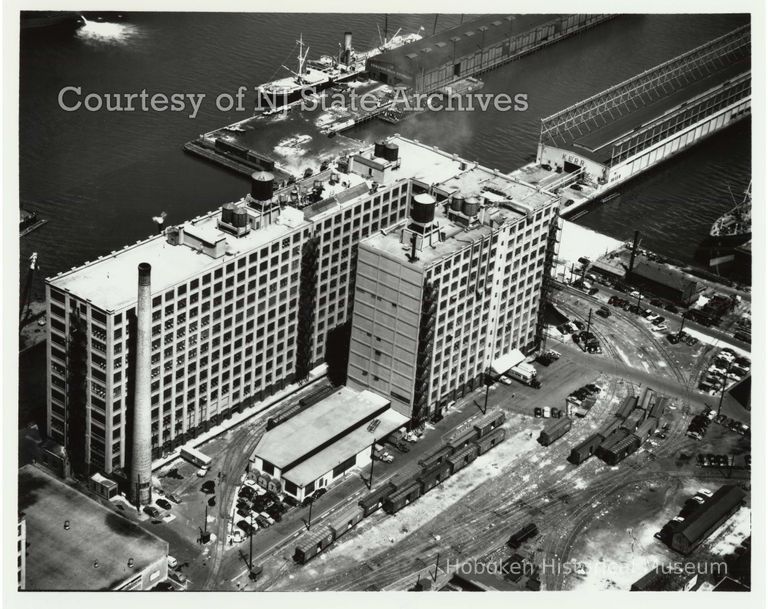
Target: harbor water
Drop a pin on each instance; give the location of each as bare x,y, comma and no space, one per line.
99,177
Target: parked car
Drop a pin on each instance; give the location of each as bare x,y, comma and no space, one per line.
262,522
319,493
164,504
151,511
603,312
246,527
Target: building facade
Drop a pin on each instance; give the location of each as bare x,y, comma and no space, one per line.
455,287
244,300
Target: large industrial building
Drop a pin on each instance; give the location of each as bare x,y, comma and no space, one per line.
616,134
75,543
458,285
243,299
473,47
686,535
324,442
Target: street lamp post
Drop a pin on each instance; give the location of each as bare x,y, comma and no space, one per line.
589,320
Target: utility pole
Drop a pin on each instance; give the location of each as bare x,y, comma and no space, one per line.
309,519
722,390
437,562
682,325
370,478
250,552
639,296
589,320
487,390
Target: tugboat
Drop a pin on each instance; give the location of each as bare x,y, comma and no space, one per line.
729,231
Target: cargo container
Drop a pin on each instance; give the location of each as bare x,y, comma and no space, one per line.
486,443
616,436
312,543
649,396
346,519
436,458
408,493
527,532
632,422
658,408
612,426
555,431
646,428
461,458
373,501
622,449
433,476
627,405
586,449
489,422
463,439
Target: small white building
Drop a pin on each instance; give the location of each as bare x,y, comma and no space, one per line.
324,442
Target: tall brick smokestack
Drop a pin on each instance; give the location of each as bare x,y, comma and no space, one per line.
141,450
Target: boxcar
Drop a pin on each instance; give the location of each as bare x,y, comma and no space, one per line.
404,495
487,442
461,458
373,501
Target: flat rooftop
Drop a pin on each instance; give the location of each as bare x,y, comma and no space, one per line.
597,144
456,42
348,446
449,174
111,282
457,236
317,425
60,559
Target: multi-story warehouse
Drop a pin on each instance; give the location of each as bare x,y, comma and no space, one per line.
473,47
442,296
243,301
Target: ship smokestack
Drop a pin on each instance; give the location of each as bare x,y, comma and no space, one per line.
347,47
141,450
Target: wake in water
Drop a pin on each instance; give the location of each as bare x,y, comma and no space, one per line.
104,33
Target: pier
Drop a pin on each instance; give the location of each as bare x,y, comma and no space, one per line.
625,130
300,136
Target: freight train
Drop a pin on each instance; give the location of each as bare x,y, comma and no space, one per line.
393,497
